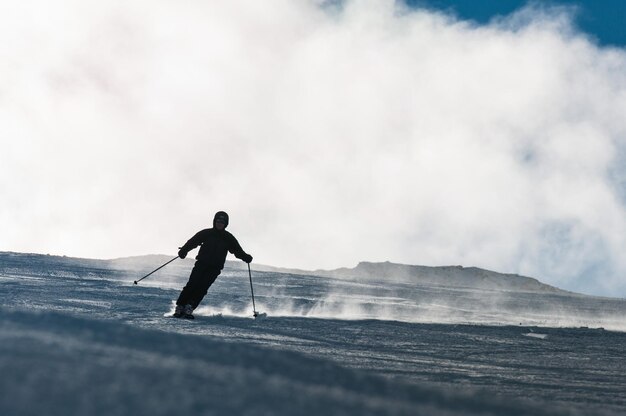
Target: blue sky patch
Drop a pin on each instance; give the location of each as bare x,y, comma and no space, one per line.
603,20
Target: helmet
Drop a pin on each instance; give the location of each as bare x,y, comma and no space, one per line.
221,216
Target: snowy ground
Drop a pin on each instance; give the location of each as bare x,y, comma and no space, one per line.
79,338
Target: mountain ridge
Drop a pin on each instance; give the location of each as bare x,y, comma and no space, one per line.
444,276
455,276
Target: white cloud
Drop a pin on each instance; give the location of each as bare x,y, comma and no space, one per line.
331,135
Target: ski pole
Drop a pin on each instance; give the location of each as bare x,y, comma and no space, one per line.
158,268
255,314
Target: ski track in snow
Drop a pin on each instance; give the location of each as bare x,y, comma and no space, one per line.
74,341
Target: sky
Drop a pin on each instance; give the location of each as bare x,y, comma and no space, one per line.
601,20
431,133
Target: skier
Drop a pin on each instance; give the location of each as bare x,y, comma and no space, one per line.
215,243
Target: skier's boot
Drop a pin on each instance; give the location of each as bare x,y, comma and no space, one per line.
179,312
188,312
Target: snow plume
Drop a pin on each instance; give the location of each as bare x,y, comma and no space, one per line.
318,297
332,132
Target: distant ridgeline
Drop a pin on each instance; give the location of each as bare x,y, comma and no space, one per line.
28,264
34,265
457,276
450,276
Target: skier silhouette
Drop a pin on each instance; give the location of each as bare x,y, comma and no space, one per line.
215,243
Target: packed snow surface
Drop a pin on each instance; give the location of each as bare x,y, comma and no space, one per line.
77,337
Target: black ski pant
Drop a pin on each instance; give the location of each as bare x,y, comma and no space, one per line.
201,278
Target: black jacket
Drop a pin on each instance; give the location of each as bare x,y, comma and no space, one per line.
214,247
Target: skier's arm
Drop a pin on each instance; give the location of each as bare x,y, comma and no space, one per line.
235,248
193,242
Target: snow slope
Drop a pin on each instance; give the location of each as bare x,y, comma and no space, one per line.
54,364
77,337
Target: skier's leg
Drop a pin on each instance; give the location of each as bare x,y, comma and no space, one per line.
194,284
201,290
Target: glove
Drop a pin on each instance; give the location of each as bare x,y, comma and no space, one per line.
182,253
247,258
